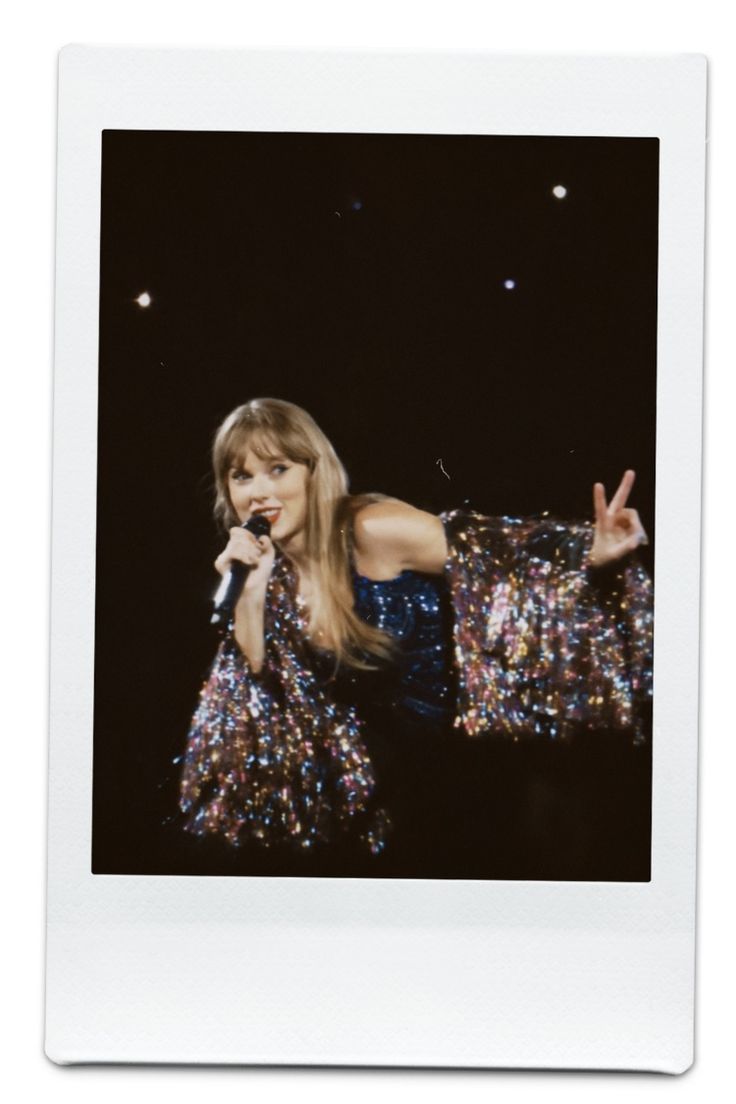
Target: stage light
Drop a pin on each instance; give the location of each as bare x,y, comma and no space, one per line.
509,284
559,191
144,299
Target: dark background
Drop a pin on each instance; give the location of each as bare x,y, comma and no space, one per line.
362,277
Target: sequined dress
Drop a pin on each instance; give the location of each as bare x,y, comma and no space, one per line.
415,610
516,640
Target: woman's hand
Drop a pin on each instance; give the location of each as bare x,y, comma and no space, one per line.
618,529
258,553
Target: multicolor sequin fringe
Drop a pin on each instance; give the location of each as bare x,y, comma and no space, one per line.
542,642
270,758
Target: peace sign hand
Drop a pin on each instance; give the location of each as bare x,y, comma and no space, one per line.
618,529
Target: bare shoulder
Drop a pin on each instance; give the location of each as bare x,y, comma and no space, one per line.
391,536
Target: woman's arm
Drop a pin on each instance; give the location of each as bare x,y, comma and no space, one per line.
248,629
258,554
273,758
392,536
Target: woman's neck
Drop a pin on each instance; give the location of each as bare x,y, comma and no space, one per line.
296,552
295,549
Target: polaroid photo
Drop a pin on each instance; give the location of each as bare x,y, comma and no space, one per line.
373,712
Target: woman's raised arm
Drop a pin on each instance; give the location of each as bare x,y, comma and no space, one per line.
391,536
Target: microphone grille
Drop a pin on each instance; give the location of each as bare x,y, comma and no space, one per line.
258,525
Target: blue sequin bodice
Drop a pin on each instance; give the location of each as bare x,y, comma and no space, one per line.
415,610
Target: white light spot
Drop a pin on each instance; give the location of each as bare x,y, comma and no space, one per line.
559,191
509,284
144,299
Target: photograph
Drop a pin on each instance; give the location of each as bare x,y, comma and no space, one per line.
375,532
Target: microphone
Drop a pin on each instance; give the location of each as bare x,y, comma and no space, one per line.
233,582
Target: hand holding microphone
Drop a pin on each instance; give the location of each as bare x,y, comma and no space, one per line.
246,563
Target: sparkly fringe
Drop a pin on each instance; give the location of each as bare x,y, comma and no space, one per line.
544,643
270,758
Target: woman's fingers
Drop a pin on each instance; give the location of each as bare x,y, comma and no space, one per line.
629,520
244,547
223,562
248,554
629,545
622,492
237,532
599,502
628,532
616,533
637,539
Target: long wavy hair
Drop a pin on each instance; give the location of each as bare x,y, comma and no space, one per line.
273,427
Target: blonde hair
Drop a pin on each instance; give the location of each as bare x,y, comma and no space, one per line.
273,427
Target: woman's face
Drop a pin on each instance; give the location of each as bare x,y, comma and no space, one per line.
276,488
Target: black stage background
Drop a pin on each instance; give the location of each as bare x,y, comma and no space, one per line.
363,277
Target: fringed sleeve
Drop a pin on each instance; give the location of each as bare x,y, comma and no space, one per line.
544,643
270,758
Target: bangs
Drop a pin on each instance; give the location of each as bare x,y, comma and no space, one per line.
266,444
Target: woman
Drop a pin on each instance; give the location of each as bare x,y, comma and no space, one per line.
367,630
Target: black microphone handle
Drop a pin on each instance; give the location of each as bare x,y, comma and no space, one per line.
237,574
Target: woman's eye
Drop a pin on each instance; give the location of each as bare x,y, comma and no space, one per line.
239,477
279,469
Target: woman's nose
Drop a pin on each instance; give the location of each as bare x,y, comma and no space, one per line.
260,487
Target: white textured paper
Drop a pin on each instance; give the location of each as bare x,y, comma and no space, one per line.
445,973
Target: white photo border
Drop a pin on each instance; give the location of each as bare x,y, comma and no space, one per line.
371,972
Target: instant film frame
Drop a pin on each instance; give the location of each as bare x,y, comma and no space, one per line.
496,973
485,322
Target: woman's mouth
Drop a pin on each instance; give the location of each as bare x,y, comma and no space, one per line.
271,515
